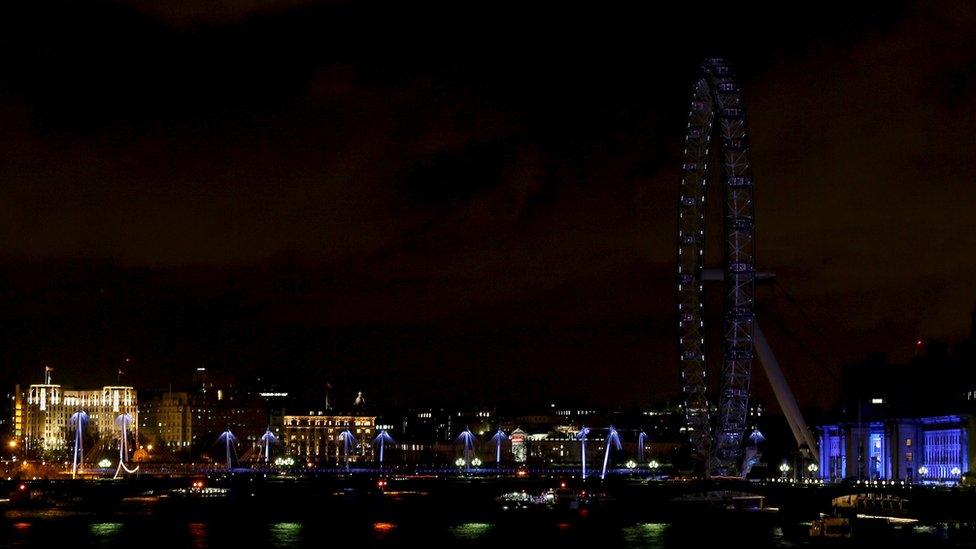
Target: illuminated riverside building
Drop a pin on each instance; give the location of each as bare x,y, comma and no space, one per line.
314,437
166,420
925,449
41,414
439,424
909,422
219,403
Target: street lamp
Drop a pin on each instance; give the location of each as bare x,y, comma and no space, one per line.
784,468
476,462
284,461
923,471
630,464
459,462
653,464
955,471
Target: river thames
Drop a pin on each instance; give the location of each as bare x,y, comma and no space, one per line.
548,511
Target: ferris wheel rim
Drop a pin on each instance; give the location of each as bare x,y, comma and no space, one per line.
716,97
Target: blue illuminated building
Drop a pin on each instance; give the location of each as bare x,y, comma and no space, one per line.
905,422
923,449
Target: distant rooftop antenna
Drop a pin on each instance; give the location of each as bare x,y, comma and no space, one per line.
121,371
47,374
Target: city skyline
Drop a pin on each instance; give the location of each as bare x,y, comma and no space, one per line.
293,273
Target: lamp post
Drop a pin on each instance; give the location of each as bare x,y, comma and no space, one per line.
653,465
813,468
784,468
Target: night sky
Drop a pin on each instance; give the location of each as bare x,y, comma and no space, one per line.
437,205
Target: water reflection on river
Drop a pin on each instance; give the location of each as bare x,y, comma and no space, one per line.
148,531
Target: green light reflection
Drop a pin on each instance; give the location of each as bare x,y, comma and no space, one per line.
286,534
646,535
471,530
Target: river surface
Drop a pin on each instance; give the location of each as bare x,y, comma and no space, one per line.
251,511
55,529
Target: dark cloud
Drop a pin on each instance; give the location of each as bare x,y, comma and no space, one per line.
364,193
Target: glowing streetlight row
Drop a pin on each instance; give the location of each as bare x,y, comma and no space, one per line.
284,461
460,462
924,471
